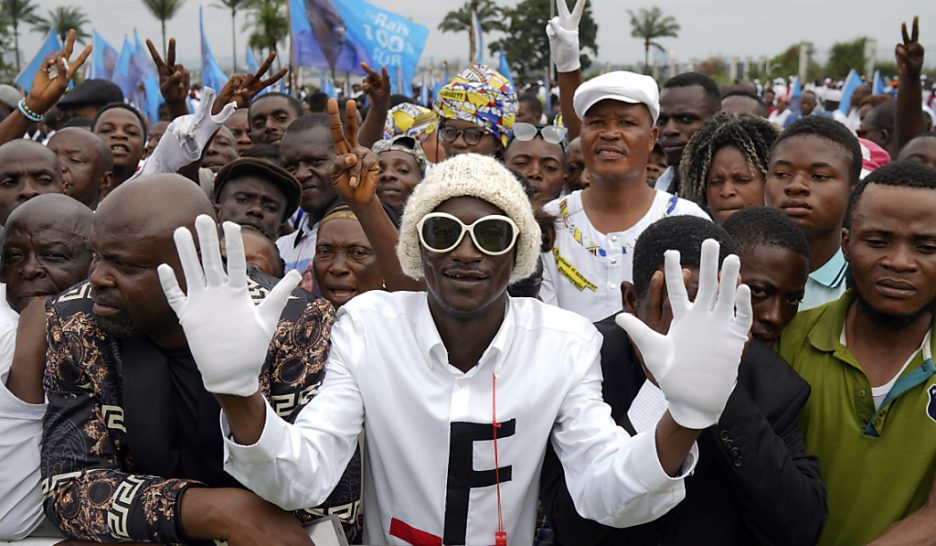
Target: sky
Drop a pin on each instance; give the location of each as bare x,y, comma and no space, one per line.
727,28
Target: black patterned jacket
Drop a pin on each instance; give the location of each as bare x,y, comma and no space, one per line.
93,488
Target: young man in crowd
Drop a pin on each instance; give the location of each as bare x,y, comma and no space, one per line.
536,153
813,165
530,110
878,127
867,356
122,127
87,164
131,448
402,165
754,481
270,115
239,126
460,349
27,169
596,228
256,193
743,102
774,263
221,151
307,153
686,101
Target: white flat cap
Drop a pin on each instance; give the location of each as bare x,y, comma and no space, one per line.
622,86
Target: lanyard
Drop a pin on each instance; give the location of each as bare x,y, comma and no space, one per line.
915,377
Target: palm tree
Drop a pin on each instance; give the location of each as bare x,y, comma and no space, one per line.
63,18
163,10
648,25
233,5
16,12
268,25
460,20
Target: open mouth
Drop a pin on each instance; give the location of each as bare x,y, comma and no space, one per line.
120,149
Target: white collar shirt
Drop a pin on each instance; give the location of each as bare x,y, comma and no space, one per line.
429,471
584,271
298,248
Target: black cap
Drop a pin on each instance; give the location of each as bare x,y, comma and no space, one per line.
91,93
279,176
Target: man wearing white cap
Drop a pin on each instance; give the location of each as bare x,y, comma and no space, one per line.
597,227
459,388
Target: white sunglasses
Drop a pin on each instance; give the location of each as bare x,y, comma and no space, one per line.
493,235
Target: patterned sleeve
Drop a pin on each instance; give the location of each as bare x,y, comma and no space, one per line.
86,491
292,376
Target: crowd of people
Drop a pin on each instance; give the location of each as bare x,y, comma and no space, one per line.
661,314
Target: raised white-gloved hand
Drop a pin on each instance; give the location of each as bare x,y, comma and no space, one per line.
563,33
227,333
696,362
186,137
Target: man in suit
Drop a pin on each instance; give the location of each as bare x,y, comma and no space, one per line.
754,481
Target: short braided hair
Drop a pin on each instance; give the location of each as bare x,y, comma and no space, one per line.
753,136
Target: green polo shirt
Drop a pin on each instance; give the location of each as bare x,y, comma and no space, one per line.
874,475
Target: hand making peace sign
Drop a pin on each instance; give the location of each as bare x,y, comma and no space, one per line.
909,54
354,171
241,88
47,89
174,79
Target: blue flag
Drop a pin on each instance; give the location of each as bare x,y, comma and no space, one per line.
796,91
852,82
252,64
479,37
50,45
341,34
122,70
328,87
145,73
103,58
504,68
211,74
878,87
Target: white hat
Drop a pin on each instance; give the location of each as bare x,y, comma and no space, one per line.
833,95
621,86
475,176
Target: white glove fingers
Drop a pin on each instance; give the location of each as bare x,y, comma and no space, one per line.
225,113
708,275
744,313
562,9
728,286
550,29
675,285
272,306
650,343
188,256
170,287
577,12
210,250
236,262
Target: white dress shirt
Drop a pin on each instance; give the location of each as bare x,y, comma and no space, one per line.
586,267
426,480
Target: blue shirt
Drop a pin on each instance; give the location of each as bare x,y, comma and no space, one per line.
826,283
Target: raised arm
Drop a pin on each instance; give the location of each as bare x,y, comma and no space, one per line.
46,89
563,33
909,54
377,88
354,174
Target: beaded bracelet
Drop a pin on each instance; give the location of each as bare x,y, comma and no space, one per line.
27,113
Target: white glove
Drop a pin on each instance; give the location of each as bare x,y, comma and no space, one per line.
186,137
228,335
563,36
696,362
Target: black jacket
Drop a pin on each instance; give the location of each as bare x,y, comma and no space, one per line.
754,482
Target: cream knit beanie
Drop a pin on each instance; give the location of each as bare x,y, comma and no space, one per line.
475,176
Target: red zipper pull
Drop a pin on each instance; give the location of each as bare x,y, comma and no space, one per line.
500,538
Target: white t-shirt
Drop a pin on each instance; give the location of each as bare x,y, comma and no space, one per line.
429,454
585,269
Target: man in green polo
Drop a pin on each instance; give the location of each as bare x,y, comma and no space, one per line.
871,418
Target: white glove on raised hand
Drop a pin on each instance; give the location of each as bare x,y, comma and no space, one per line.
563,33
227,333
696,362
186,137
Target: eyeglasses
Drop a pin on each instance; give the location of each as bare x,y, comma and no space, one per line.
493,235
471,135
527,131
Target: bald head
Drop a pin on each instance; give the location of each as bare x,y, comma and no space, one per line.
154,205
87,164
45,248
27,169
